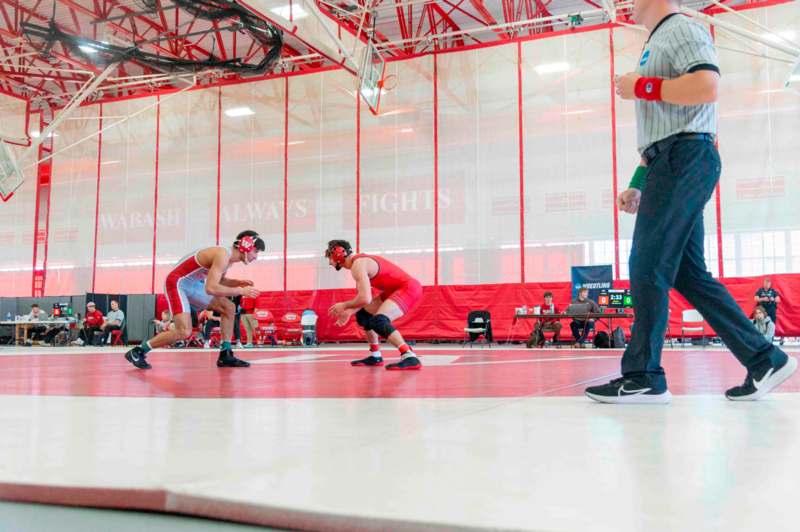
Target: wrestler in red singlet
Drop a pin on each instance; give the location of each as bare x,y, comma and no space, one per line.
399,294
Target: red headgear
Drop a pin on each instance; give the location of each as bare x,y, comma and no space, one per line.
338,254
246,243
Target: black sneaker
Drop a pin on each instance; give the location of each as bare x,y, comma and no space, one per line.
369,361
762,381
227,360
138,358
409,362
629,391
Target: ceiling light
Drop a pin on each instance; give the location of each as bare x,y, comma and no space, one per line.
780,36
551,68
369,92
239,111
290,12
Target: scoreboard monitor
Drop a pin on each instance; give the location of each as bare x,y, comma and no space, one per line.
615,298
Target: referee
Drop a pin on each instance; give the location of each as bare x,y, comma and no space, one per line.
675,90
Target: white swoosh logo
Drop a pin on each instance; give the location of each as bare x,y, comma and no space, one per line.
623,391
760,383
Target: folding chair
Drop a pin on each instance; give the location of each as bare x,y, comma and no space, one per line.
479,325
117,337
308,321
290,329
689,320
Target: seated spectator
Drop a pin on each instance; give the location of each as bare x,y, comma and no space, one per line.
581,328
92,323
768,298
113,322
212,319
165,323
764,323
36,332
554,325
51,332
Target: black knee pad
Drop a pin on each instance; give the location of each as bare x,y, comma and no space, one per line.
382,325
364,319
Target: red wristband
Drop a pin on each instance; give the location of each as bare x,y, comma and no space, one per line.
648,89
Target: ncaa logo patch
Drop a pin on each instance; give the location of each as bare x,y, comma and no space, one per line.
645,57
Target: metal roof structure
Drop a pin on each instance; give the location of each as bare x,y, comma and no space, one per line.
400,28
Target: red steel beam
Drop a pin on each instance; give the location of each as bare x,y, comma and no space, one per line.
25,86
430,13
351,27
65,57
457,7
9,23
220,41
101,9
488,19
405,26
40,75
62,56
118,27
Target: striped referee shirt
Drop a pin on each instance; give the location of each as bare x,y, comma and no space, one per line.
678,45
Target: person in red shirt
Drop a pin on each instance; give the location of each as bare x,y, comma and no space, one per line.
542,325
92,323
400,293
249,321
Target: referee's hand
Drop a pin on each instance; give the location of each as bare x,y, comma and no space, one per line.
625,85
628,201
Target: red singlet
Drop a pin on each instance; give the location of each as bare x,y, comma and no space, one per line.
394,283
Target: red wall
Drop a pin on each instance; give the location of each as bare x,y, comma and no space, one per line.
442,313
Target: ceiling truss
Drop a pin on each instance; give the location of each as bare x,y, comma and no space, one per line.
400,28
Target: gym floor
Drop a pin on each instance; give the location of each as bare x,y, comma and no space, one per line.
481,438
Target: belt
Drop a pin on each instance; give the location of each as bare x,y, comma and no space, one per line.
654,149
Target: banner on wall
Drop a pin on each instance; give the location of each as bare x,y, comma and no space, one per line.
414,201
595,278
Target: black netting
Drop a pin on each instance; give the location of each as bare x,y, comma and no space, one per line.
100,53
